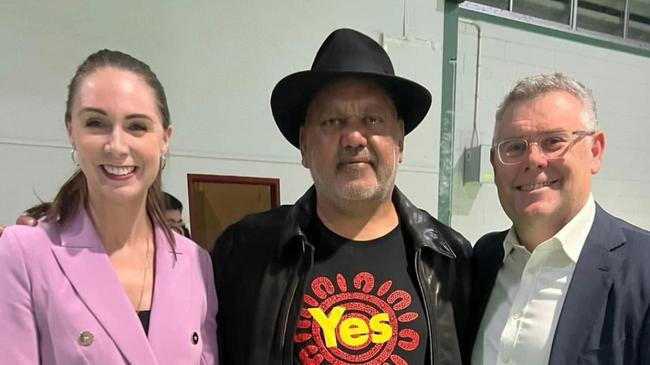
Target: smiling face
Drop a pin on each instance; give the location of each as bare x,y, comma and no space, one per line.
352,141
538,188
116,128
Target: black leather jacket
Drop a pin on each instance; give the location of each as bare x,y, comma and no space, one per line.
261,262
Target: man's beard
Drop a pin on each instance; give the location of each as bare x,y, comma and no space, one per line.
352,190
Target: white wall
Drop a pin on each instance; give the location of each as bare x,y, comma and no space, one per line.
219,61
621,87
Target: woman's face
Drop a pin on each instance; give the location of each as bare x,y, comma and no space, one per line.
117,131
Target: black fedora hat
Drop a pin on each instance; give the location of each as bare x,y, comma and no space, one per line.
345,53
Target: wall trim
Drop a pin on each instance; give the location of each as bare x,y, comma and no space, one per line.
412,168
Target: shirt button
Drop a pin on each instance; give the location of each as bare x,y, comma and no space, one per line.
517,315
195,338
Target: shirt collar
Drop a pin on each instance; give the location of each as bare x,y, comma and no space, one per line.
572,236
509,242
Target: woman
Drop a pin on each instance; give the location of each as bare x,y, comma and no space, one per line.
102,279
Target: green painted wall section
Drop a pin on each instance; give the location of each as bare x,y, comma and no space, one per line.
449,51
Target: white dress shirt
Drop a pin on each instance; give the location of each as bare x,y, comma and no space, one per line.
521,315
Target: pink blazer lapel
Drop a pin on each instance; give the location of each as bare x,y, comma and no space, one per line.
171,297
85,263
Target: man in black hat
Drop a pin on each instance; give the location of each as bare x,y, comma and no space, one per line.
353,273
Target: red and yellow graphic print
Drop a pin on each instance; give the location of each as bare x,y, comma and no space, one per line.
362,323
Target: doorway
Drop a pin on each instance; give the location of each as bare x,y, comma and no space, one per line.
217,201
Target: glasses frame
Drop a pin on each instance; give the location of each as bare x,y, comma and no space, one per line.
578,135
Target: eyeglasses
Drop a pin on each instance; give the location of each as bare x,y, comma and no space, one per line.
552,146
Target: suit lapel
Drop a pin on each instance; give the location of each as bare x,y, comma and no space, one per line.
587,294
171,298
488,259
84,262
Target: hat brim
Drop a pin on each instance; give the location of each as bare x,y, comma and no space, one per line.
291,96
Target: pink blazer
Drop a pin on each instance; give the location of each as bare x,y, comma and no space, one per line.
61,301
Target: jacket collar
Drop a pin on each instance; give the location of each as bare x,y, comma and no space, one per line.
172,293
590,286
422,229
85,263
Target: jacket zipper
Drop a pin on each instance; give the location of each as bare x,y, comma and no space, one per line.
287,309
433,348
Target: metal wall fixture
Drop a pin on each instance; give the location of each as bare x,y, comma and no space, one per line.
621,21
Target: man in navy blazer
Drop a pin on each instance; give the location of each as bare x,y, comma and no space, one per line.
568,283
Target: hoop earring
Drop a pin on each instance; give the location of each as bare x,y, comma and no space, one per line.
73,152
163,162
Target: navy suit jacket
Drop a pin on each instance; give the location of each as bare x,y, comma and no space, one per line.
605,318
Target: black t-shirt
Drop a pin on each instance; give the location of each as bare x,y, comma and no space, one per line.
361,305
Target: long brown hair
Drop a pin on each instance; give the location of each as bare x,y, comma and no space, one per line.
74,192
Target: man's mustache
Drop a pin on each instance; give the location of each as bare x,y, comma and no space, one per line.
363,156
